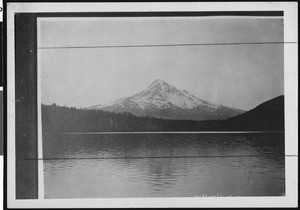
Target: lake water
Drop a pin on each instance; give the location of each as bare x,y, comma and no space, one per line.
163,165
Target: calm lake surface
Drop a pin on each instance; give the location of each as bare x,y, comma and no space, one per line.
163,165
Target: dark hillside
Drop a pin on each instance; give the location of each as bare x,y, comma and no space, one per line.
268,116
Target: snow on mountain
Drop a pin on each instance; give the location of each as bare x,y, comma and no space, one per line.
164,100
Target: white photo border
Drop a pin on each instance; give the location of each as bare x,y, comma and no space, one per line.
291,106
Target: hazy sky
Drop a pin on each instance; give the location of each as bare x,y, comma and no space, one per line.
240,76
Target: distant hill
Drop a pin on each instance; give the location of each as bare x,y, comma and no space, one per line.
266,116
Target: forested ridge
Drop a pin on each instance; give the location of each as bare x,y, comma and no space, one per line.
267,116
68,119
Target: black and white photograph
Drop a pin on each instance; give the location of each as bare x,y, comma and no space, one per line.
168,105
137,107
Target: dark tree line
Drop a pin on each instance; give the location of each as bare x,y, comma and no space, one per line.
268,116
65,119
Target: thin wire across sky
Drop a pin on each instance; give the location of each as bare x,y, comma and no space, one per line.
163,45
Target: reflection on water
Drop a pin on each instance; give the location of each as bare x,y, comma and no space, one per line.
181,165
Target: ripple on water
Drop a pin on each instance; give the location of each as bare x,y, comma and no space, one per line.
247,165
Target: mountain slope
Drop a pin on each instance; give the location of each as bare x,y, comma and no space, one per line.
162,100
266,116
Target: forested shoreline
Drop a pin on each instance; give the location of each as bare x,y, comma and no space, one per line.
69,119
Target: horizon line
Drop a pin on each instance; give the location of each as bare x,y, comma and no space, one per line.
165,132
86,107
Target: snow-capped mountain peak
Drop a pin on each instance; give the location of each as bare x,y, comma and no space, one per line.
161,97
160,93
160,84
